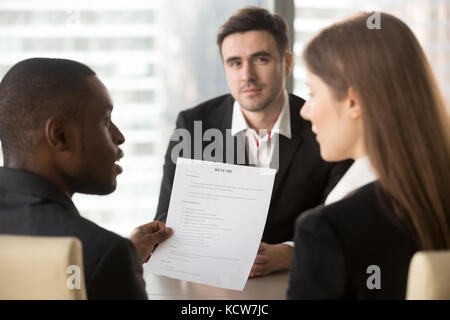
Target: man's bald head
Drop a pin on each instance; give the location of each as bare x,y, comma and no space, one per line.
34,90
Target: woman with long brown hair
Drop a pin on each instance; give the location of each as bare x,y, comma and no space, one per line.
373,99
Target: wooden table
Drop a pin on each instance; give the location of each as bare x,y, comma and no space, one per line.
271,287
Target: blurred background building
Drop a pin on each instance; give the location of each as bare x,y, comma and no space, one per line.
429,20
159,57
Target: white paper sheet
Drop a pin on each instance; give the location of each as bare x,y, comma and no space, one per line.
218,212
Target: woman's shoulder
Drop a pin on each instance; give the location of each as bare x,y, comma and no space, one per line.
364,203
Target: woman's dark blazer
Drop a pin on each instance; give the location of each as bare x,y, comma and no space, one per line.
348,249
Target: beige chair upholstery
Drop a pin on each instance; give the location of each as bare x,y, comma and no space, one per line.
429,276
41,268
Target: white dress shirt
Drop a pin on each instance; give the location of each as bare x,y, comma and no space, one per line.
359,174
259,145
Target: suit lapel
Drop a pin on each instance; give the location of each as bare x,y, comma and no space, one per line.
286,150
284,154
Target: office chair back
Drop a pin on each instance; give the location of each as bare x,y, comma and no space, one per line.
41,268
429,276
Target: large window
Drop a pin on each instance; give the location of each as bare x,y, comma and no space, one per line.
429,20
156,58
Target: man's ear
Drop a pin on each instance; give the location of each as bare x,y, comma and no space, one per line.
59,134
288,62
353,105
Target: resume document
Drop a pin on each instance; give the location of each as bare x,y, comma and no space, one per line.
217,212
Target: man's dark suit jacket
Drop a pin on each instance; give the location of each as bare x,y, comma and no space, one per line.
335,244
303,178
32,205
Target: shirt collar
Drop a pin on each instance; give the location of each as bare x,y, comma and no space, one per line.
359,174
281,126
25,182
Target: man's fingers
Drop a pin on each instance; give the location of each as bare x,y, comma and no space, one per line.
257,268
262,247
161,235
153,226
260,259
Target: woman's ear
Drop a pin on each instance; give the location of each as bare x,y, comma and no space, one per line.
353,107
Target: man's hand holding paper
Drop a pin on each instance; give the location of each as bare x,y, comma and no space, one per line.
218,213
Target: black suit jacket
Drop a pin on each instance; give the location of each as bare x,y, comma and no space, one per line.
302,181
32,205
335,245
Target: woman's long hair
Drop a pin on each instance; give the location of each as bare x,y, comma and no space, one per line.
406,124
